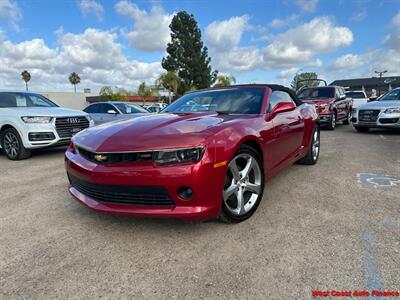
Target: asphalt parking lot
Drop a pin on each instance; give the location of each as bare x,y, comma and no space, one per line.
335,225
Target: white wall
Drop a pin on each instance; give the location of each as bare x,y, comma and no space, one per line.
68,100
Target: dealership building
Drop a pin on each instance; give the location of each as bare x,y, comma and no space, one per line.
383,84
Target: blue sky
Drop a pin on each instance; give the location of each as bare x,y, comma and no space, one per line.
121,43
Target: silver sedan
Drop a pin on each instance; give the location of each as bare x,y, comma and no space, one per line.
382,113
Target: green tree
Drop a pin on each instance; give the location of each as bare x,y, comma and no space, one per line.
223,80
144,92
74,79
106,91
187,56
308,76
26,76
170,81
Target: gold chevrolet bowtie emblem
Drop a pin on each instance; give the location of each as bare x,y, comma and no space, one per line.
100,157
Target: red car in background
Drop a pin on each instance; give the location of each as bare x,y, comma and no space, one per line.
206,156
331,103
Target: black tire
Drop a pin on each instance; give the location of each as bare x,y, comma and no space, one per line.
361,129
226,215
332,123
12,145
311,158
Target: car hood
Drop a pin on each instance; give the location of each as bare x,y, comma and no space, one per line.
380,104
161,131
45,112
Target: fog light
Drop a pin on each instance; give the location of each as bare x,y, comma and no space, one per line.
185,193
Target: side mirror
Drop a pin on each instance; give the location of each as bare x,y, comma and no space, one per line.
280,108
111,112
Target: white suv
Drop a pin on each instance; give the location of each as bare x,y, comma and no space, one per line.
29,121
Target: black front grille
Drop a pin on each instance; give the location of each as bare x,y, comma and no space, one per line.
113,158
67,127
121,194
389,120
368,115
41,136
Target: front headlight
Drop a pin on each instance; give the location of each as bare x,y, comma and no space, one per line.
324,108
179,155
353,110
394,110
41,120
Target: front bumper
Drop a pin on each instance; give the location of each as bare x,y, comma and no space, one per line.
205,181
325,119
382,121
42,135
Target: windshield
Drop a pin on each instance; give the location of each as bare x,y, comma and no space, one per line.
356,95
314,93
24,100
130,109
232,101
392,95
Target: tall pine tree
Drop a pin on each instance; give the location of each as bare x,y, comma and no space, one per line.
187,56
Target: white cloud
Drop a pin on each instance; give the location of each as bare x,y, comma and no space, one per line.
280,23
94,54
396,21
10,12
392,40
288,73
238,59
89,7
226,34
307,6
359,15
349,61
298,45
150,29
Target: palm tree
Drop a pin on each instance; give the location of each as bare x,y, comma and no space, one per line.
225,80
170,81
26,77
74,79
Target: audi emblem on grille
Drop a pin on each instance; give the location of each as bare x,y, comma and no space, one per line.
73,120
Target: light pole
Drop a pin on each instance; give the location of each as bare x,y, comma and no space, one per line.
380,79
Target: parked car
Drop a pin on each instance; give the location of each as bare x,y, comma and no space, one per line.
104,112
195,165
381,113
153,109
358,97
29,121
331,103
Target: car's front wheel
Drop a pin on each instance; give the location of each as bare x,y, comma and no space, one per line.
12,145
332,123
243,185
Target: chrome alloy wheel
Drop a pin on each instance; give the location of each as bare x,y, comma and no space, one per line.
242,184
11,144
315,145
333,122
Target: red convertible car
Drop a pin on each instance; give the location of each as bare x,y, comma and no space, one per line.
206,156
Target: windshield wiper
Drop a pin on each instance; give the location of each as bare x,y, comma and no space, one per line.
221,112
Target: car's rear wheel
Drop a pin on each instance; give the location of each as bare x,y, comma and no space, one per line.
243,186
12,145
361,129
313,152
